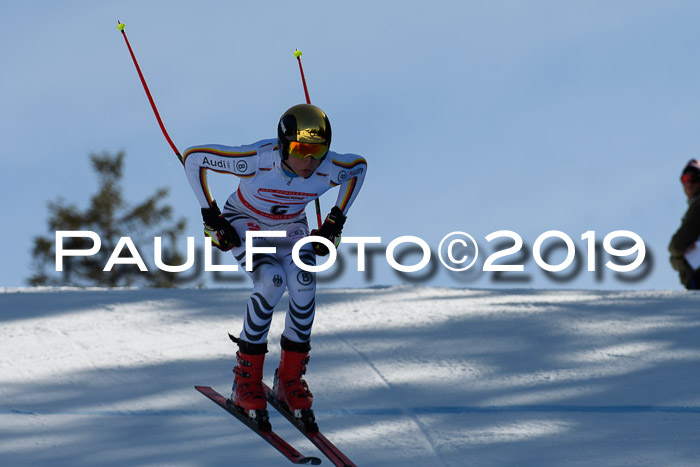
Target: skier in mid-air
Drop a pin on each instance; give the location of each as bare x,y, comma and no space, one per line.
278,178
688,234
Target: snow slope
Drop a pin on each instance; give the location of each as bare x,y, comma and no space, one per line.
401,376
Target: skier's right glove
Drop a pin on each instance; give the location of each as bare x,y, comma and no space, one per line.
331,229
216,227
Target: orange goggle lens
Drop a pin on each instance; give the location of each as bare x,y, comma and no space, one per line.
304,150
688,178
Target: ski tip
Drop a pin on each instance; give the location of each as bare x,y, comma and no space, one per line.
120,26
297,54
309,461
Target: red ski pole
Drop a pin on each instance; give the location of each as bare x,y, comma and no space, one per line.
297,54
120,26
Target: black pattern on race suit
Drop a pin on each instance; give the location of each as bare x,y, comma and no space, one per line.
272,274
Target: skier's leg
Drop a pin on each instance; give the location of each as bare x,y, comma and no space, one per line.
268,277
268,287
302,297
289,384
247,392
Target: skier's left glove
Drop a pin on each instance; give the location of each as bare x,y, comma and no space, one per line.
221,232
331,229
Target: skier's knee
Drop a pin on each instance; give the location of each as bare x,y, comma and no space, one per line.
272,285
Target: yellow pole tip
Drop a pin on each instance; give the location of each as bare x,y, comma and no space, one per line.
120,26
297,53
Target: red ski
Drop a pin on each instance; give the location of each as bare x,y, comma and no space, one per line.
334,454
268,435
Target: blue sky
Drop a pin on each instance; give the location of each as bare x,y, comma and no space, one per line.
474,116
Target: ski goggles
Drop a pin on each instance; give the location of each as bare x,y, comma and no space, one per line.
689,178
304,150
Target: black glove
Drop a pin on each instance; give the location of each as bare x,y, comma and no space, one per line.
222,234
331,229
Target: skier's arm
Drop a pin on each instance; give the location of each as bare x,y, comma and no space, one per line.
216,227
349,171
240,161
197,161
688,232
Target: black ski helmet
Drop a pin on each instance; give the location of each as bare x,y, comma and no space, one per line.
691,172
303,123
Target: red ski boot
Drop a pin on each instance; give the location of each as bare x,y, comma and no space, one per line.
248,395
289,387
